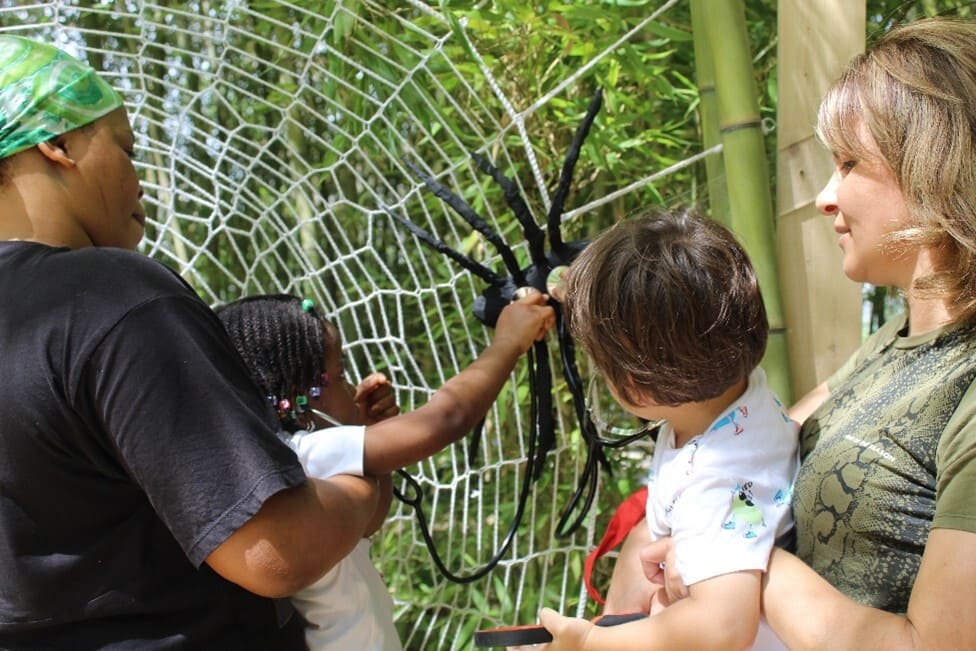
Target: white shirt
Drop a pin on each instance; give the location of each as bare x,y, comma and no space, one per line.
724,496
350,607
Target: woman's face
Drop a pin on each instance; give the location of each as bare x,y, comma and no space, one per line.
866,203
337,399
107,194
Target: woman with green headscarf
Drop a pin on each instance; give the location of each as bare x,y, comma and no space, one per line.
133,512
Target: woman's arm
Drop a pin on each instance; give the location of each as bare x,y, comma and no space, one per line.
806,405
808,613
298,535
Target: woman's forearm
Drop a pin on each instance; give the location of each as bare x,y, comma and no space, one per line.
806,405
806,612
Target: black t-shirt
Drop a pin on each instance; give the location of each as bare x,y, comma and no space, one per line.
132,444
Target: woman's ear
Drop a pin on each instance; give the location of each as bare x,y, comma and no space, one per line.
56,151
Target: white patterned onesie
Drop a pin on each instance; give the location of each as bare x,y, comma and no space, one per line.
724,497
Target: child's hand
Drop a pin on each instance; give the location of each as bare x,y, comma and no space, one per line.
375,399
659,600
525,320
568,633
658,560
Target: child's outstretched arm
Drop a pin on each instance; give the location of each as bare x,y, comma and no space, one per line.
462,401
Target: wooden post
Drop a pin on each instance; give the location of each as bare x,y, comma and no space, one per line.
822,307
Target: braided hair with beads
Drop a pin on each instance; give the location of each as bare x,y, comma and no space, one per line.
283,340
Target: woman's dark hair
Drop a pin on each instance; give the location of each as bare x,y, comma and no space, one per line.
282,340
668,307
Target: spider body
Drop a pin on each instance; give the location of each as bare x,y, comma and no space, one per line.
490,302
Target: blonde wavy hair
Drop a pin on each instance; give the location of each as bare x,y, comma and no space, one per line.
914,91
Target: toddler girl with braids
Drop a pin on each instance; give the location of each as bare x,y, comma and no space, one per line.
295,356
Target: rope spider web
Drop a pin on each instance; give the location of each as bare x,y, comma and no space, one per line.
272,140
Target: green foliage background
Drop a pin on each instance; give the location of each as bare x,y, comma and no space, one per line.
649,122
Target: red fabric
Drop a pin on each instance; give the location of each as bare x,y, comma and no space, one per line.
628,514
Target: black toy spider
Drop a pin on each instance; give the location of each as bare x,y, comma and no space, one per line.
502,289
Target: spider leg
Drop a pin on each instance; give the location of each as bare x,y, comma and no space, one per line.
534,235
582,500
554,220
474,219
474,440
430,240
596,459
544,425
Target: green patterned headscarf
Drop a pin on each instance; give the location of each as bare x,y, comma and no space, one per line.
44,93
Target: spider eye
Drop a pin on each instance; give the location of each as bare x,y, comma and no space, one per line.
556,282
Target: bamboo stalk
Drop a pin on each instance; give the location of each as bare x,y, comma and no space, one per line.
746,169
718,196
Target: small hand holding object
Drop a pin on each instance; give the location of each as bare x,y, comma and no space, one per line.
561,633
376,399
526,319
567,632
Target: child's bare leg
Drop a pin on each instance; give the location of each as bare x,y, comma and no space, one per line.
630,591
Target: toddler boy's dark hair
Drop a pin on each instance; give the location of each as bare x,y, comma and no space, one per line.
668,308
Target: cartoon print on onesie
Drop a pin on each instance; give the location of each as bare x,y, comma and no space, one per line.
744,509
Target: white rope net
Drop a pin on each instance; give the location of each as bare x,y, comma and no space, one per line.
272,135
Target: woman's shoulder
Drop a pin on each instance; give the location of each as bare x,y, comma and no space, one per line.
116,257
118,271
86,273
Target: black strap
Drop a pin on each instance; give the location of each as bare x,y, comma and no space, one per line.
415,500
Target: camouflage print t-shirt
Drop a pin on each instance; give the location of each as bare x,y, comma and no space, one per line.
887,456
